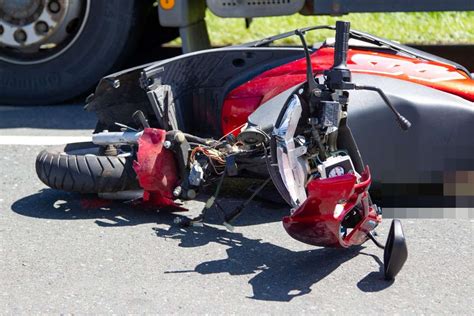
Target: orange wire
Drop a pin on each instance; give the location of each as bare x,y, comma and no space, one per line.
231,131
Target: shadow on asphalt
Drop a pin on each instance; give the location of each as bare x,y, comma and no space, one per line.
60,205
374,281
280,274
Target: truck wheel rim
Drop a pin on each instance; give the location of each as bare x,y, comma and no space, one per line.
36,31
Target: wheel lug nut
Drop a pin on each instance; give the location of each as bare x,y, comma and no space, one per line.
54,6
20,36
41,27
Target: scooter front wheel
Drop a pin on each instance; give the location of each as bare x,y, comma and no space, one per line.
80,167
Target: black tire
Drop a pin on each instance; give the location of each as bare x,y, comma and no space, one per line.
78,168
110,34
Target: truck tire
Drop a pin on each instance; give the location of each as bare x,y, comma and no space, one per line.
78,167
108,33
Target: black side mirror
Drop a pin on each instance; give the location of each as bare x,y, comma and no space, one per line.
396,252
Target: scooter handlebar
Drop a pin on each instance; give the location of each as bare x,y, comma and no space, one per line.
341,46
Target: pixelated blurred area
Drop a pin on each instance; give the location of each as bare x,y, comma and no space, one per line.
459,183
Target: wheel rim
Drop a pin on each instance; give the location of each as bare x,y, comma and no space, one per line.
36,31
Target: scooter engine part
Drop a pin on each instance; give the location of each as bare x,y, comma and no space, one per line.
196,174
116,138
122,195
252,136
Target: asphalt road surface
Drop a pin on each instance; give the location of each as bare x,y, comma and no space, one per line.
66,253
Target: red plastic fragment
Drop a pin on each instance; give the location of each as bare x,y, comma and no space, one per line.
318,222
156,169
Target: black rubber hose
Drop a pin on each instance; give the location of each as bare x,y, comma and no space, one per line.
402,121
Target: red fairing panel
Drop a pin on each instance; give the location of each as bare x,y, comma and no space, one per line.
243,100
156,169
318,220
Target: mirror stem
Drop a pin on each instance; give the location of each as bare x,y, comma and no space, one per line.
371,237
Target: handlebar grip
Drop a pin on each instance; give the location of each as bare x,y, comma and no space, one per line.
341,46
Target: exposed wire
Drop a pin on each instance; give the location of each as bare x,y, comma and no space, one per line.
402,121
238,210
211,153
238,127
